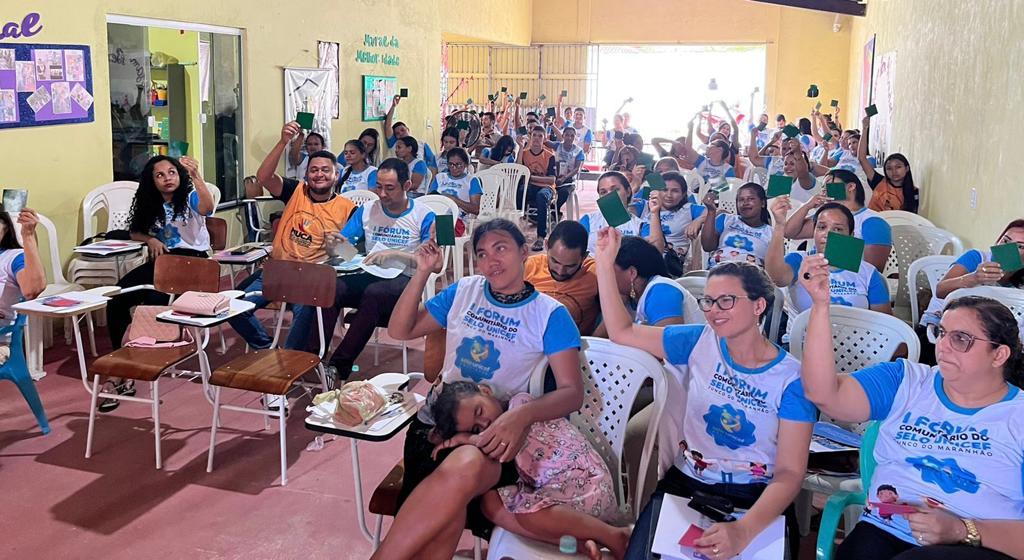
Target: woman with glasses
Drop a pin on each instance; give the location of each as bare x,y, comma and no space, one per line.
865,288
458,184
747,426
950,440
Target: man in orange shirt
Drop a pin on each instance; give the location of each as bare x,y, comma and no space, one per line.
543,165
567,274
312,210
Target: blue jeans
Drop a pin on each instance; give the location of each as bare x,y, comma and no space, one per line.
540,198
252,332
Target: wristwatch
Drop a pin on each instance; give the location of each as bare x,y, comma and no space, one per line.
973,537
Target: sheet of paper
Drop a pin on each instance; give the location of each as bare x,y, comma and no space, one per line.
26,80
39,99
676,517
81,96
391,269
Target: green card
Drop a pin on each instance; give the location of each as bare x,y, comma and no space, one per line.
835,102
490,97
790,131
177,149
522,95
522,131
1008,257
551,112
721,187
565,93
827,137
404,92
655,181
612,209
444,230
836,191
542,97
645,193
469,101
504,90
817,106
871,110
305,120
844,251
779,185
462,125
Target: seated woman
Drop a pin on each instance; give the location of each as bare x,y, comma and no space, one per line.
564,486
504,151
449,140
459,184
407,150
868,225
390,229
674,220
637,181
169,215
894,189
949,439
796,165
22,276
611,181
714,166
370,139
747,424
743,236
642,281
865,288
357,175
498,329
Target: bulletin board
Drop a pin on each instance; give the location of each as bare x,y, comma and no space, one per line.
378,91
45,85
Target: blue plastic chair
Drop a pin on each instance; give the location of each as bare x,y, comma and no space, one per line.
838,502
16,370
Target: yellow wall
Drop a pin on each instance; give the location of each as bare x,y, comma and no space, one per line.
957,101
801,47
60,164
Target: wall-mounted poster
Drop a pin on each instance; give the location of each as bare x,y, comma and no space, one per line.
307,90
45,84
377,94
884,97
867,67
327,57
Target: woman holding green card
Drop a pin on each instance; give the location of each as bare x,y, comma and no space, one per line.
864,288
743,236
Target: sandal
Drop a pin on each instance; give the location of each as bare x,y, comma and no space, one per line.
108,404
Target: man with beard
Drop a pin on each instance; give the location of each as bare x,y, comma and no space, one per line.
566,273
312,211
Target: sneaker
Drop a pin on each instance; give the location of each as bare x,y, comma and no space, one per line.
538,245
108,404
275,402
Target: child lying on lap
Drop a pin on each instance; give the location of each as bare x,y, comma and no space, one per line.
565,487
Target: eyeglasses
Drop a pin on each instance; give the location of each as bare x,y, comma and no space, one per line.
725,302
456,164
958,340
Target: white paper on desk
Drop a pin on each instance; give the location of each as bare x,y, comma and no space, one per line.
676,517
388,271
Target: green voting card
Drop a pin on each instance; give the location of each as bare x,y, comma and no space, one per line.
551,112
1008,257
444,230
504,89
835,102
790,131
655,181
469,101
522,95
817,106
844,251
645,193
542,97
612,209
305,120
779,185
565,93
871,110
827,137
404,92
490,97
836,191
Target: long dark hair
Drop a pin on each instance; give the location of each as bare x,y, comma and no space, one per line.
412,144
910,194
148,204
10,238
681,181
758,190
640,254
1017,278
505,146
361,148
1000,326
372,133
846,176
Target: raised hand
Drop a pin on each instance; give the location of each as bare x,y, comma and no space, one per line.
289,131
814,275
780,208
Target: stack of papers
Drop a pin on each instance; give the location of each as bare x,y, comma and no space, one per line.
676,522
109,247
829,438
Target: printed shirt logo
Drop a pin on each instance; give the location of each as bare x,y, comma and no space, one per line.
477,358
946,474
739,242
729,426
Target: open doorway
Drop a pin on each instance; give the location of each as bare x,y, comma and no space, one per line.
668,84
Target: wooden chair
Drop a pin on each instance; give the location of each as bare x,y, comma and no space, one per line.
174,275
218,229
275,370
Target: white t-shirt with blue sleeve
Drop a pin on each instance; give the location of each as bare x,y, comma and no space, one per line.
499,344
463,188
583,136
567,157
730,432
970,260
12,261
359,180
739,242
862,289
971,460
708,171
595,222
871,227
507,159
419,166
662,299
428,154
775,165
373,224
187,231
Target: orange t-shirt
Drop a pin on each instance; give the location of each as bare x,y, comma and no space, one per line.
544,164
305,223
578,294
886,197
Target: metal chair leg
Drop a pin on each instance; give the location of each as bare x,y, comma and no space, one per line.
284,442
213,428
155,394
92,334
92,416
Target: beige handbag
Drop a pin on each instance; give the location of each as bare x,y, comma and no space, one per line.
203,304
146,332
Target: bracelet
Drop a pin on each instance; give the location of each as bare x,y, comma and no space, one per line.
973,537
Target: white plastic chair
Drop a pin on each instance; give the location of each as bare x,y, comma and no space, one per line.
757,175
933,267
116,200
694,285
860,338
909,243
942,241
39,332
612,377
695,183
360,197
514,173
491,182
727,200
1012,298
902,218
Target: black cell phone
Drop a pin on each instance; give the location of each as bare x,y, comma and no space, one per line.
404,92
716,508
521,131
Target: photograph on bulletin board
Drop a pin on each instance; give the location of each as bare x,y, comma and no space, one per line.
377,94
45,85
